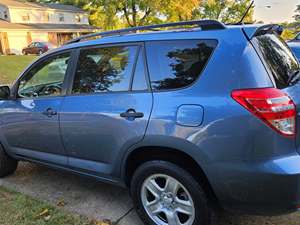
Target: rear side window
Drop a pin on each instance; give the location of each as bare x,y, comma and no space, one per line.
279,59
104,69
177,64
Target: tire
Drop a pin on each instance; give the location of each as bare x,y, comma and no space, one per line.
8,165
189,189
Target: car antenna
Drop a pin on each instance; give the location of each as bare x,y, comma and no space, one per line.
246,13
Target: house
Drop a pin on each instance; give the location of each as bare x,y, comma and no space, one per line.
24,22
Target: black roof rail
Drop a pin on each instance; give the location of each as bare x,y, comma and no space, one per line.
203,24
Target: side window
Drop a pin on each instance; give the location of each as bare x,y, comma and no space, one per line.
46,78
104,69
139,82
177,64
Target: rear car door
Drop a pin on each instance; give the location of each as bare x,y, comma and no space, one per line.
29,123
108,106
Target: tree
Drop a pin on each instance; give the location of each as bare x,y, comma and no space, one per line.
182,10
227,11
124,13
297,15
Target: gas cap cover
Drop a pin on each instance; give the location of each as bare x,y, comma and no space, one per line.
190,115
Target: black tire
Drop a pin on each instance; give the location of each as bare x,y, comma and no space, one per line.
8,165
203,213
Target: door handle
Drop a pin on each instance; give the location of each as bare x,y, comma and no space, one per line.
50,112
131,113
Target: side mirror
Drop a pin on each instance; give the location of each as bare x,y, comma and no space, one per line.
4,92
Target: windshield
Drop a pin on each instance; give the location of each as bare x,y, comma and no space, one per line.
279,59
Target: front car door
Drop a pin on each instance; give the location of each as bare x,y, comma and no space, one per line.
29,122
104,112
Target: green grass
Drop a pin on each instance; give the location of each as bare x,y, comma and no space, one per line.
16,209
12,66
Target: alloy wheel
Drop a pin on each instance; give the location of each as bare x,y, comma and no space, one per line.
167,201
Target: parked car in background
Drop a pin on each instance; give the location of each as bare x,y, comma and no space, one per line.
191,120
36,48
295,47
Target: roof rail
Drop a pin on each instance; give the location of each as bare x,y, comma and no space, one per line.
203,24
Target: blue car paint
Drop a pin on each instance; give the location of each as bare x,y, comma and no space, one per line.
250,167
295,47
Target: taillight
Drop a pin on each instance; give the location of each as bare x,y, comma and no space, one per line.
272,106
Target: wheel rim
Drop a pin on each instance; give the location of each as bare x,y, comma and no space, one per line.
167,201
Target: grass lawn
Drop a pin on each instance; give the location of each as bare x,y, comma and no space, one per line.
12,66
16,209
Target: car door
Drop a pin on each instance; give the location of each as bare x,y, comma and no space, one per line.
104,112
27,49
31,48
29,122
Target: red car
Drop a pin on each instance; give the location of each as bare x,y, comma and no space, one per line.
36,48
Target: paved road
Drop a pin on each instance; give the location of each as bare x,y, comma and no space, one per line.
101,201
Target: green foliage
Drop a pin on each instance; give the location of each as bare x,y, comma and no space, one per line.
227,11
297,15
290,30
181,10
16,209
12,66
288,34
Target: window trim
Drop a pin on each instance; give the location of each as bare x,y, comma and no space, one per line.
140,47
146,73
15,86
198,78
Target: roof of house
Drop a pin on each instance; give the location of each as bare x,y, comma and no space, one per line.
43,6
4,25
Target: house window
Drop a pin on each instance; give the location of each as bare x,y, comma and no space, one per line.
78,18
61,17
5,15
46,17
26,17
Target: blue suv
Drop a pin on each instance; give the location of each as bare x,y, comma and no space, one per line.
191,117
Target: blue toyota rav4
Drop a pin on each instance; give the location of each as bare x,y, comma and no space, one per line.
191,119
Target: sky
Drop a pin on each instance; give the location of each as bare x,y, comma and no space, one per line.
275,11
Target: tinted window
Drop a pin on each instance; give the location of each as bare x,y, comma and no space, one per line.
177,64
278,58
139,81
46,78
104,69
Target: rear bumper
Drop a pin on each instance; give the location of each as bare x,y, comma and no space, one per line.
263,188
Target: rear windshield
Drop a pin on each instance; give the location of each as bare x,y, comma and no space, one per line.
279,59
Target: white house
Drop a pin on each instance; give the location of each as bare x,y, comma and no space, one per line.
24,22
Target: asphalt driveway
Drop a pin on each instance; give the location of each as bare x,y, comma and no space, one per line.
101,201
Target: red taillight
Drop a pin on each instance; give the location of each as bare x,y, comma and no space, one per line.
272,106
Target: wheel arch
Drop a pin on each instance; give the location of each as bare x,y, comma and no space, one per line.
142,154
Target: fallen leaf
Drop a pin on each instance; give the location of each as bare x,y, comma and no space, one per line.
47,218
45,212
61,203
